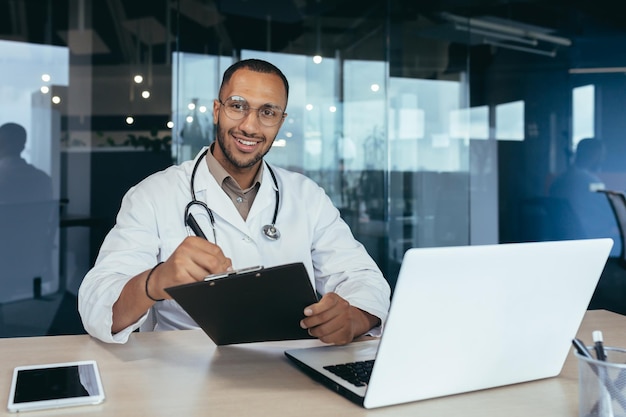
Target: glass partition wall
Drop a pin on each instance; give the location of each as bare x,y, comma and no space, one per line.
375,135
426,125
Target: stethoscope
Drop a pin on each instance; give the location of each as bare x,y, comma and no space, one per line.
269,230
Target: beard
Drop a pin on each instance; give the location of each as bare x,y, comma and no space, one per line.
238,163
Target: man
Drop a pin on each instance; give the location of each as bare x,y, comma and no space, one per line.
578,185
28,219
20,182
234,193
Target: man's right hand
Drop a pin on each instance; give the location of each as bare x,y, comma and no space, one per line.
193,259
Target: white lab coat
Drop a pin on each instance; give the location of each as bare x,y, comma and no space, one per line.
150,227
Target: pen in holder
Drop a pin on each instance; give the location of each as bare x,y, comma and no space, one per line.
602,383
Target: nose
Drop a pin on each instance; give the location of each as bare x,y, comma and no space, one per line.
250,122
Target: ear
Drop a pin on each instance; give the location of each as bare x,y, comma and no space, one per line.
216,110
282,121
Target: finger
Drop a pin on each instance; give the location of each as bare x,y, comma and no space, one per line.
196,258
327,327
328,309
334,332
199,250
341,337
325,303
207,256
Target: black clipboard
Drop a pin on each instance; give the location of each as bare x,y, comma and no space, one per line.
250,305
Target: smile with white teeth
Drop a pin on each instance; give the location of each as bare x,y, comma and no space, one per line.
246,142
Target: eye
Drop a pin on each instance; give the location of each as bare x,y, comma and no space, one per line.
238,107
268,112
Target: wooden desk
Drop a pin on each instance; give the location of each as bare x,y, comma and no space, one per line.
182,373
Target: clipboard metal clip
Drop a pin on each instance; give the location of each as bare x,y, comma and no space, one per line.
233,272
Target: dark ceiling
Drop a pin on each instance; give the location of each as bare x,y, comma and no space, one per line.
112,32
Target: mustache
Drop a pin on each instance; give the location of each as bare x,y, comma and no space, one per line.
245,135
238,133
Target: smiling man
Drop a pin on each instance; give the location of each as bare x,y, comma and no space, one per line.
232,191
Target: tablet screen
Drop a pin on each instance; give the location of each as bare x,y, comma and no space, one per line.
55,385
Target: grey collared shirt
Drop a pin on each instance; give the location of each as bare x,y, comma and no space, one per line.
242,199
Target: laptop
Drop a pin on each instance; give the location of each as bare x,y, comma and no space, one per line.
469,318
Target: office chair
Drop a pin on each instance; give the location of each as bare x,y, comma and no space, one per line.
617,200
610,294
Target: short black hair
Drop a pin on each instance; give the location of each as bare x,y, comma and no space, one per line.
12,139
256,65
589,153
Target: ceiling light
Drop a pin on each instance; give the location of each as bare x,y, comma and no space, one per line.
537,51
496,35
597,70
511,28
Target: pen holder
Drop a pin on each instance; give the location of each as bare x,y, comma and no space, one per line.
602,384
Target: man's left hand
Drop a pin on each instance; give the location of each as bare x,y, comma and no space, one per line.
333,320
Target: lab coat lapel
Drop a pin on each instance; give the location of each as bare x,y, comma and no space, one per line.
265,200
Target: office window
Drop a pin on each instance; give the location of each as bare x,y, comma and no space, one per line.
583,113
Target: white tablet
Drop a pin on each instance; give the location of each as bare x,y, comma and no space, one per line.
37,387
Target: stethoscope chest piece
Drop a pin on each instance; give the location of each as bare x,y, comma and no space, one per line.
271,232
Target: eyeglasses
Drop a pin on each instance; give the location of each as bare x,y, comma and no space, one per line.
237,108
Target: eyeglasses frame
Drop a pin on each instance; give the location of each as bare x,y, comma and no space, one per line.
250,108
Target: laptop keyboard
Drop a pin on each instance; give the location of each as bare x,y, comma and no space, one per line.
357,373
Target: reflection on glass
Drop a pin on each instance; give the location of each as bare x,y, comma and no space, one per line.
472,123
428,145
29,183
195,80
510,121
429,178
